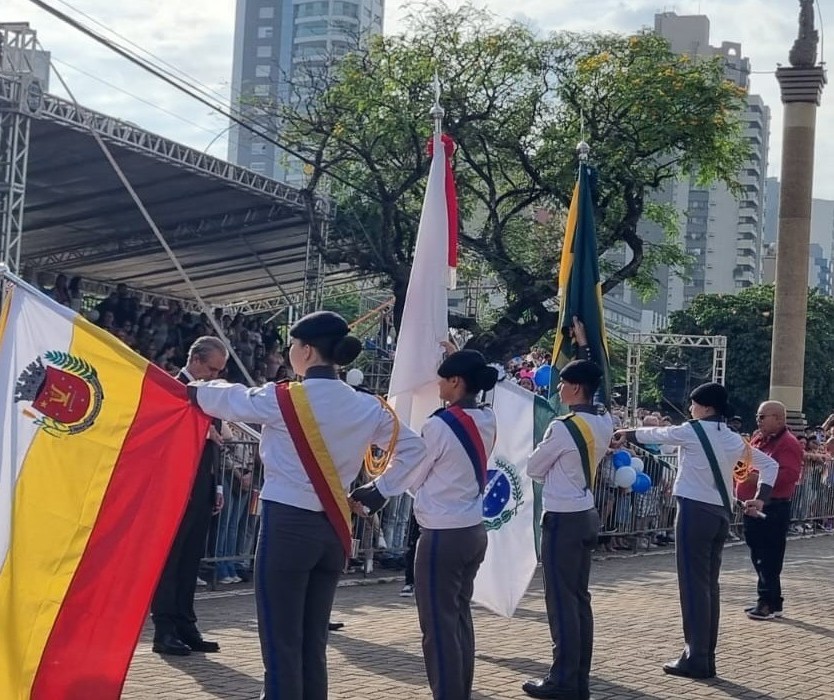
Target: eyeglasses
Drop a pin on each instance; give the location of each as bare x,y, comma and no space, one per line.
762,416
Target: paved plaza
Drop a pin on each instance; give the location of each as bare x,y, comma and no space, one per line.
377,655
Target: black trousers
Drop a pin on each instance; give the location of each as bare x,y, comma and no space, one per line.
766,538
567,542
445,567
700,532
172,608
297,566
411,551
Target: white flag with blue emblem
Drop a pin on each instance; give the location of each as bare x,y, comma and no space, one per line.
510,560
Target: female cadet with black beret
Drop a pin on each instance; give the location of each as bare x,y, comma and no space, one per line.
315,434
448,490
709,451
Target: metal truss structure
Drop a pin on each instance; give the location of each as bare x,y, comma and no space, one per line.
20,97
638,341
191,231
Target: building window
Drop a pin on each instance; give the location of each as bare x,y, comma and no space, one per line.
263,70
258,166
346,9
264,32
311,29
312,9
258,148
264,52
266,13
261,90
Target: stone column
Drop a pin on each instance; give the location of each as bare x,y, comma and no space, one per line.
801,88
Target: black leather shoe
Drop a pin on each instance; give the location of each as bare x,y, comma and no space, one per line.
170,645
202,645
545,688
685,669
335,626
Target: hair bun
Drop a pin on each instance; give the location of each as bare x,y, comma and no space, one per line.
346,350
487,378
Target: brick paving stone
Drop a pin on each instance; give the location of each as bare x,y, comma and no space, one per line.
377,655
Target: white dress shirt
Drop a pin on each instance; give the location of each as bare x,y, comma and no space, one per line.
556,464
444,486
349,422
695,480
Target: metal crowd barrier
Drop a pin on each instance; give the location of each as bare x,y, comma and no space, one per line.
629,521
230,547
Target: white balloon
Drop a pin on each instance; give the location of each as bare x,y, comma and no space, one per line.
637,464
355,377
625,477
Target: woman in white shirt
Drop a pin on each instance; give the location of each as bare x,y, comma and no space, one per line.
709,451
448,490
314,437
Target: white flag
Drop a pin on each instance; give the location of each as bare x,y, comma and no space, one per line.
510,560
413,391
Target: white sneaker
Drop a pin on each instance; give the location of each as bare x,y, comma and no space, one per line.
407,591
236,579
226,580
200,582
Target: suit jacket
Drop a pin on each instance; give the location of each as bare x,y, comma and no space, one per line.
208,469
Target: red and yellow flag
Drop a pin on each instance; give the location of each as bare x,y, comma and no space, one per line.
98,454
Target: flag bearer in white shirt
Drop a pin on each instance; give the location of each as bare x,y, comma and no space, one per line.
709,451
566,462
448,490
315,434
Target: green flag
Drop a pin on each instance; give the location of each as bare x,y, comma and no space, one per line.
579,286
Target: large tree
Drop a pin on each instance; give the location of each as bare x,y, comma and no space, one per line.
517,104
746,319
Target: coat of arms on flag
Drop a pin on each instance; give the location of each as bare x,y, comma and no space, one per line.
66,392
503,496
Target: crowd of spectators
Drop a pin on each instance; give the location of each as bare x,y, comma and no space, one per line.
164,334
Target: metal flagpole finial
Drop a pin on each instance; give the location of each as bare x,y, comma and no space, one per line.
437,111
583,150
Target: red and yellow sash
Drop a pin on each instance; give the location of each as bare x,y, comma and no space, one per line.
315,457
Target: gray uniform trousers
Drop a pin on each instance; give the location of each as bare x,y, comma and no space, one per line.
567,542
445,566
297,566
700,532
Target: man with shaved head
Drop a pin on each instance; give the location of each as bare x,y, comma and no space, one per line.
766,537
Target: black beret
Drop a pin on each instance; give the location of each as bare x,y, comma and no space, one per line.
320,324
462,363
712,395
581,372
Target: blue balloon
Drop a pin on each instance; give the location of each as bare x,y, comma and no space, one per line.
642,484
621,458
542,375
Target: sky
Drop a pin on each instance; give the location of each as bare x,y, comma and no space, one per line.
196,37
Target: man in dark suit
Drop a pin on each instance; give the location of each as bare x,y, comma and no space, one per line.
172,608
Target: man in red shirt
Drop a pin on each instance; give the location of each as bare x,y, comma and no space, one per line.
767,537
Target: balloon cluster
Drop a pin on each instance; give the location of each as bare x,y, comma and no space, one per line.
630,472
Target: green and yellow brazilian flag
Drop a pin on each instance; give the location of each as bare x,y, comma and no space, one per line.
580,287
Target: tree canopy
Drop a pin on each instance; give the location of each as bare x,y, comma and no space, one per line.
516,104
746,319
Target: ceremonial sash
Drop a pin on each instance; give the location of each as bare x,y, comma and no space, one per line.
583,436
315,457
467,432
713,464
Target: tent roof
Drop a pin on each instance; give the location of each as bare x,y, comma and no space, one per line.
239,236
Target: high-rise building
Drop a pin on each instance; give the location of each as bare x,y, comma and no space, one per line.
273,40
722,233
